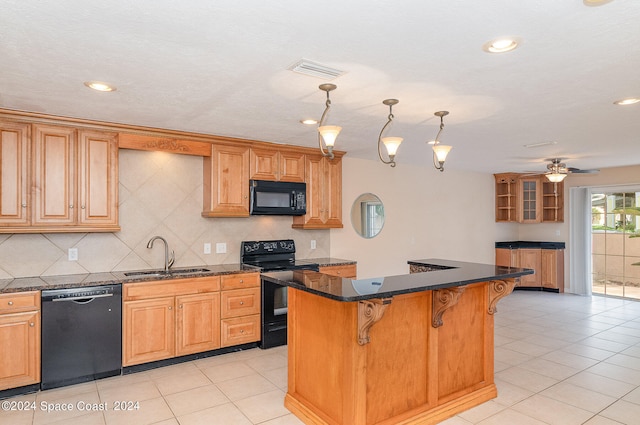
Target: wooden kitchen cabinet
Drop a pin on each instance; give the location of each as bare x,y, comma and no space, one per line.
19,339
198,327
59,179
324,194
277,165
548,265
164,319
530,259
552,269
14,174
240,309
226,181
526,198
347,271
506,257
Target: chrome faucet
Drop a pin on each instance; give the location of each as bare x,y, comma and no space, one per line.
168,261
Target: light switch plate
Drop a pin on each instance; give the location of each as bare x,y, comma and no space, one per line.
313,244
207,248
221,248
73,254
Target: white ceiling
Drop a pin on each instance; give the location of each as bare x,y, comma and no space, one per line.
220,67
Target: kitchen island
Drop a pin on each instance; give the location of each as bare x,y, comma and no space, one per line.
408,349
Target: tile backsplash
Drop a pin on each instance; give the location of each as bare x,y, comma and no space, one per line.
159,194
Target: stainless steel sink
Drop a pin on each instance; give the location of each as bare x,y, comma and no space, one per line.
151,273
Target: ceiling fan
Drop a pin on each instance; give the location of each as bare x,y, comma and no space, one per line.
559,170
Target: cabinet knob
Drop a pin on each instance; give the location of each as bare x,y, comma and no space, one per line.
241,302
10,302
241,280
170,308
339,272
71,206
24,205
180,306
241,331
32,324
82,207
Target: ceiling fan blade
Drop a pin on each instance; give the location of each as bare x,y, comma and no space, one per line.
579,171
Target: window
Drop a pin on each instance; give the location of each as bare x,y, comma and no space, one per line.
615,243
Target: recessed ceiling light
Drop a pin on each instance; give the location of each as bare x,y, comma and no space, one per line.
596,2
309,121
99,86
501,45
627,101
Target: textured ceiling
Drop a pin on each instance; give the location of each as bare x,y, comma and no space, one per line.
220,67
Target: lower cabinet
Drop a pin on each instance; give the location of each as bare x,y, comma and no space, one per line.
240,309
548,265
170,318
348,271
19,339
164,319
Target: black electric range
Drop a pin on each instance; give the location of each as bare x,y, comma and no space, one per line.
269,256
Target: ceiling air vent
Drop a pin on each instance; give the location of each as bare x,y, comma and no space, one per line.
315,69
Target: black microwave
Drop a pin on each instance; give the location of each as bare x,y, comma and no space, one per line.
277,198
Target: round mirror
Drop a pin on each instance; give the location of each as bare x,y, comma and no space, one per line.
367,215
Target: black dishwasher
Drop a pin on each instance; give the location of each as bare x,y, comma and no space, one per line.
81,335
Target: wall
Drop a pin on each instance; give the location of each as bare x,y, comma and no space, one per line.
560,232
160,194
429,214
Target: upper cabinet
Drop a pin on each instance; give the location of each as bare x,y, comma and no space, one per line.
226,181
526,198
324,193
277,164
58,179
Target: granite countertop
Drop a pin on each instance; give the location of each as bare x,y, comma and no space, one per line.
108,278
329,261
530,244
448,274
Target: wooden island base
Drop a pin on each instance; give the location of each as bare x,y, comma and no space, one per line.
416,358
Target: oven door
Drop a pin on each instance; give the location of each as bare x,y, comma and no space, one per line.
274,315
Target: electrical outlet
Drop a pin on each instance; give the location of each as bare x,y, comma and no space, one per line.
557,232
73,254
313,244
207,248
221,248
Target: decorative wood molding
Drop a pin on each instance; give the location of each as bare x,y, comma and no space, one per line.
499,289
369,312
444,299
164,144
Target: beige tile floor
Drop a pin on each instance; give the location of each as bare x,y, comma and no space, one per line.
560,359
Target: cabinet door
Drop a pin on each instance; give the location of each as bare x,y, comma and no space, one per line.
348,271
530,192
552,269
148,330
506,197
292,166
198,323
264,164
333,193
98,178
14,174
506,257
530,259
19,349
314,176
54,175
226,182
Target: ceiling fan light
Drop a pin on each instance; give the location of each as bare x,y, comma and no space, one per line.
555,177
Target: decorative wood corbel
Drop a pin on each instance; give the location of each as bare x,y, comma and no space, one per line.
369,312
499,289
442,300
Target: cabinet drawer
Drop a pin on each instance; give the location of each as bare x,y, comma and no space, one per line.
168,288
240,330
240,280
20,301
240,302
348,271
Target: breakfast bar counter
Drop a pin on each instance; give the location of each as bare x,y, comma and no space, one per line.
408,349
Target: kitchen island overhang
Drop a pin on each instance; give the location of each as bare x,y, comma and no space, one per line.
409,349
